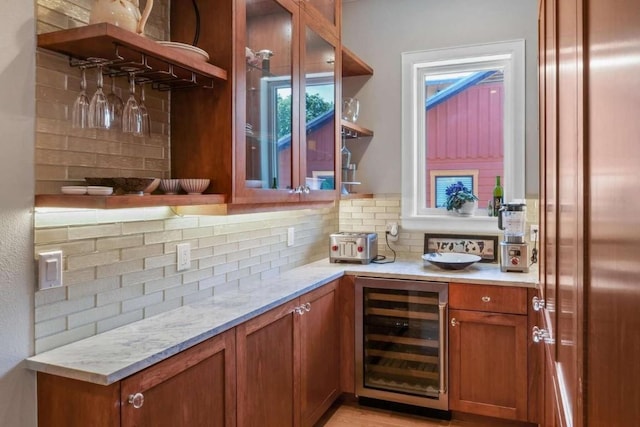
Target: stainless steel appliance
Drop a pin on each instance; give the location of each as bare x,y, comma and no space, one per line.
514,251
401,341
353,247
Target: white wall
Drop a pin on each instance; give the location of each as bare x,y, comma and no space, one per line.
380,30
17,118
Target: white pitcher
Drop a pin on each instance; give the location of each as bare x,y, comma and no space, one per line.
123,13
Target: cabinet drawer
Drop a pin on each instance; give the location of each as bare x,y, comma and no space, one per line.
497,299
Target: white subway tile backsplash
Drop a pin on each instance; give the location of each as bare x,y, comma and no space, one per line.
142,302
119,268
66,337
63,308
121,294
92,315
121,320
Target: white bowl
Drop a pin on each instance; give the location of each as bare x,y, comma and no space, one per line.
194,185
450,260
74,189
170,186
96,190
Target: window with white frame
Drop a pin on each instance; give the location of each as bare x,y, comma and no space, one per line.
462,110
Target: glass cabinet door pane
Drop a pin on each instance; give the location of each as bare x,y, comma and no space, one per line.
319,126
326,7
269,58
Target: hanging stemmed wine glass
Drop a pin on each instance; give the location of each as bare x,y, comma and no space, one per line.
80,112
145,125
131,117
115,106
99,114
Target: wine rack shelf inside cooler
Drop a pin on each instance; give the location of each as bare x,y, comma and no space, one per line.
401,340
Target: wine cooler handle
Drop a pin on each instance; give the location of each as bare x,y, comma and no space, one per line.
443,356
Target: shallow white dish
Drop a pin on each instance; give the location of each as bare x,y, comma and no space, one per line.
450,260
96,190
74,189
192,51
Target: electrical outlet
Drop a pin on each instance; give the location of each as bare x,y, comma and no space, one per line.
291,236
534,231
393,230
184,256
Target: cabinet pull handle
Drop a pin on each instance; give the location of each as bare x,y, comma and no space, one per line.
443,353
137,400
537,303
299,310
486,299
306,306
539,334
454,322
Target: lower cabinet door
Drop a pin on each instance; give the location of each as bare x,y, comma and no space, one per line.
488,364
194,388
319,353
268,389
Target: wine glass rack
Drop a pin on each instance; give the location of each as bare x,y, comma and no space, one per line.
121,52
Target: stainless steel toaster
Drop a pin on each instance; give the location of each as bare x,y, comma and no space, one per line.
353,247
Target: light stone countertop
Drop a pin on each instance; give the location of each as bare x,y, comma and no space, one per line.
113,355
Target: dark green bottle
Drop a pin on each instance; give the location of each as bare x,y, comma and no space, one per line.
498,193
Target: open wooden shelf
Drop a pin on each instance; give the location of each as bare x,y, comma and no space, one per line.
352,196
354,130
122,49
126,200
353,66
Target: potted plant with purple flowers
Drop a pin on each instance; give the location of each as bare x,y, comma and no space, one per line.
460,199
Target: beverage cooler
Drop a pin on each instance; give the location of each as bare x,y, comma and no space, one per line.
401,341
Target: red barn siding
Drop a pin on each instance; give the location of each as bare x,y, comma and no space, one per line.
466,132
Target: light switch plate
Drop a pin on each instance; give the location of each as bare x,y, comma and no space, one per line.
49,270
184,256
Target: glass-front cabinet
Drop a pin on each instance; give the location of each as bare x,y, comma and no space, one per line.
318,123
286,129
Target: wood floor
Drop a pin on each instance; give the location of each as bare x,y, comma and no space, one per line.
350,414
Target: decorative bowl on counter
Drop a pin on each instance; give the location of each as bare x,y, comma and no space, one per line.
170,186
194,185
450,260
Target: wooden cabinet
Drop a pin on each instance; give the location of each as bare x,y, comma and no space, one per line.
589,152
288,362
270,136
488,338
195,387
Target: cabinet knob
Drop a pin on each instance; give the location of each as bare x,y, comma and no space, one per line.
307,306
486,299
539,334
537,303
299,310
454,322
137,400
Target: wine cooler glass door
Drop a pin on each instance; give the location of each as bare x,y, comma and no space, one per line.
401,341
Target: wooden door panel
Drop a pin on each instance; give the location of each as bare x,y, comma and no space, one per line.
195,388
65,402
319,353
613,391
488,356
266,363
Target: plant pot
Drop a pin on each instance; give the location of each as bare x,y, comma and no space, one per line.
467,209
